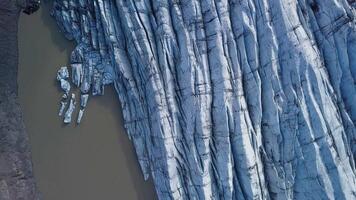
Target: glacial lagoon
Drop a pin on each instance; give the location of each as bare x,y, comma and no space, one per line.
93,160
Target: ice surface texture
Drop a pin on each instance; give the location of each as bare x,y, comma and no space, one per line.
227,99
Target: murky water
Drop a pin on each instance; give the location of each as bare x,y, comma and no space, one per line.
92,161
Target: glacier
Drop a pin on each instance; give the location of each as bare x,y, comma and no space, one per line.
224,99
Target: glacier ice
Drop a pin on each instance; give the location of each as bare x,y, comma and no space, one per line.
68,114
63,104
83,103
77,74
62,76
226,99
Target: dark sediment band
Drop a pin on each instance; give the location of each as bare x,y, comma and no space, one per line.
16,176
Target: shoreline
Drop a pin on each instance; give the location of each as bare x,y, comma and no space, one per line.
93,160
16,176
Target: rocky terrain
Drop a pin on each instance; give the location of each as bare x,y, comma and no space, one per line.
16,177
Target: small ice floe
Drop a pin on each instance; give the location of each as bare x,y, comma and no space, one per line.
89,74
62,76
64,101
83,104
69,112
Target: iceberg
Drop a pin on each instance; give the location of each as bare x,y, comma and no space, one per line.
83,104
69,112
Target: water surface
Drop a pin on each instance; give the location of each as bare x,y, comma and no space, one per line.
92,161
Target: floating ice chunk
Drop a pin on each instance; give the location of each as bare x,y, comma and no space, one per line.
69,112
63,104
62,76
83,104
65,85
62,73
85,86
84,100
80,115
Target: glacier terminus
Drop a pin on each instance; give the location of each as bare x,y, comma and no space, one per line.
223,99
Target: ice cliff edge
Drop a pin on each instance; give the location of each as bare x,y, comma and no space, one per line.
227,99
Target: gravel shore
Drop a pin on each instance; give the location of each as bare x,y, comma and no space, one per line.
16,177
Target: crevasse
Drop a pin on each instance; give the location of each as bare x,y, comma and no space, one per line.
226,99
